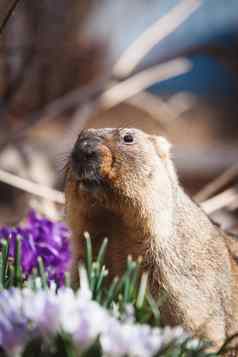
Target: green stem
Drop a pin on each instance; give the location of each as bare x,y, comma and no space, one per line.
11,276
8,15
17,264
89,257
111,292
1,273
102,252
142,291
5,253
103,273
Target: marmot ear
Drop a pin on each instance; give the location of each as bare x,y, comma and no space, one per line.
161,145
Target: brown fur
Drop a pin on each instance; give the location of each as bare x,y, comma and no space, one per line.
144,212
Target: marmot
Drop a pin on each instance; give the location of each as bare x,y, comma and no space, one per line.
121,184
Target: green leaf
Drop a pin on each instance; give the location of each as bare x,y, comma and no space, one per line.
142,291
1,272
111,292
11,276
17,264
131,265
102,252
153,306
134,280
88,256
5,253
103,273
94,276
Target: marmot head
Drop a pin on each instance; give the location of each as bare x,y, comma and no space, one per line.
118,160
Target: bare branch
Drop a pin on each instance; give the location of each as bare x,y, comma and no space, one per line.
154,106
221,200
77,97
94,94
157,108
31,187
126,89
153,35
217,184
8,15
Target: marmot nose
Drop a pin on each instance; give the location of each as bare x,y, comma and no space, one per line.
85,150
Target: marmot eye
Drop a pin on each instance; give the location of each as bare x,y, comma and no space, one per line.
128,138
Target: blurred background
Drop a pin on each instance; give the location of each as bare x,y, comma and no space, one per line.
169,67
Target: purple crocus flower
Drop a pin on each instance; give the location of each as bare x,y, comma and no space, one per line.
41,237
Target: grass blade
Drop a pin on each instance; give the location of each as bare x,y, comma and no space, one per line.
142,291
103,273
88,256
102,252
111,292
131,265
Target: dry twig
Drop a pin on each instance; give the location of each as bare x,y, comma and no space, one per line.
126,89
94,94
153,35
156,107
55,108
8,15
217,184
221,200
31,187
